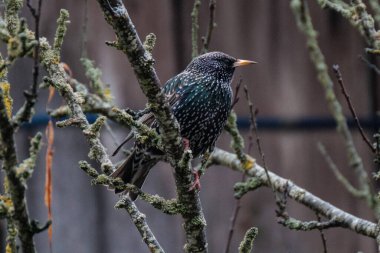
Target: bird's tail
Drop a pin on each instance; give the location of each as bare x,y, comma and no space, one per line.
134,170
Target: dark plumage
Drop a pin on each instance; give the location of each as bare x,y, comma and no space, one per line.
200,98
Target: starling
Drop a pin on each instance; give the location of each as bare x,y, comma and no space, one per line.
200,99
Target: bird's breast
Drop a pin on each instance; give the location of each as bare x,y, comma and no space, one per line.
202,113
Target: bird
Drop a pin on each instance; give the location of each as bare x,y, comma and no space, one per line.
200,98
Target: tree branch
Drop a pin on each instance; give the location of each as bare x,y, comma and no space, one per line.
351,107
195,28
247,244
140,222
195,223
358,16
375,5
339,176
16,186
211,25
349,221
129,42
170,207
26,112
304,22
142,63
295,224
57,75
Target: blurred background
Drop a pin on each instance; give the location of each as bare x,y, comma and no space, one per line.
293,117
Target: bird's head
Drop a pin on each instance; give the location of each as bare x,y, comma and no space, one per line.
216,63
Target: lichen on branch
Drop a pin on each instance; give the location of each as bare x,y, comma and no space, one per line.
142,63
302,196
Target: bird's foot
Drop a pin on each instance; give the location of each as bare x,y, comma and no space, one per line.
185,143
197,183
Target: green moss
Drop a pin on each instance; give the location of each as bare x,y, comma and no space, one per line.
26,168
149,42
102,179
12,7
237,142
86,167
62,22
247,244
241,188
94,74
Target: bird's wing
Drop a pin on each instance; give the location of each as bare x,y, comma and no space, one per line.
173,89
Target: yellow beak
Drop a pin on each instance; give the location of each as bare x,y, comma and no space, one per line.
240,62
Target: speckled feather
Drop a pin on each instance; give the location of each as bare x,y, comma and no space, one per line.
200,98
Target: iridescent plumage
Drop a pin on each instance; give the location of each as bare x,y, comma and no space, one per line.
200,98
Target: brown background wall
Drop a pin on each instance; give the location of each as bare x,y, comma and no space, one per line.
283,85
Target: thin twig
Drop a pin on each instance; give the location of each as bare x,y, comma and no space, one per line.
305,24
350,105
36,13
339,176
195,28
236,210
211,25
253,127
370,65
25,113
295,224
375,5
300,195
356,13
83,46
323,238
233,219
236,96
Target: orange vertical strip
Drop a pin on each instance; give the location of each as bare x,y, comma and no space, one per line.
48,174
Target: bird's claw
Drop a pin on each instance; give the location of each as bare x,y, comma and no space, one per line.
197,183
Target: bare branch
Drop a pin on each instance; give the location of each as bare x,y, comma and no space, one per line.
236,98
357,15
83,45
370,65
323,237
233,219
253,127
195,28
140,222
26,111
350,105
339,176
375,5
304,22
211,25
299,194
